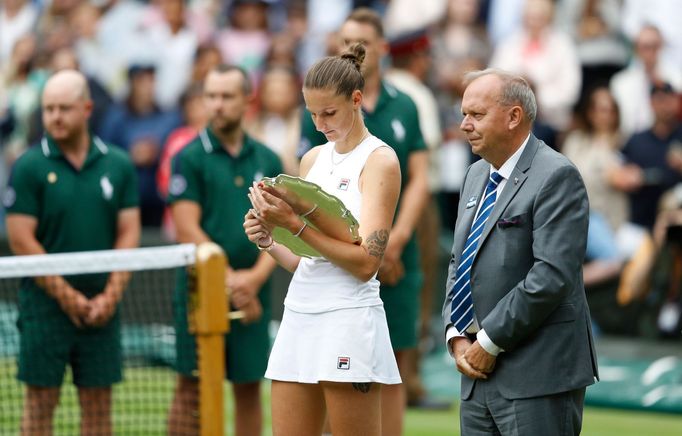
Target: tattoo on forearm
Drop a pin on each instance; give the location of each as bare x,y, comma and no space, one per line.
376,243
362,387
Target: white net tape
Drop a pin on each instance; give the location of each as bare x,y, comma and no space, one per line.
85,262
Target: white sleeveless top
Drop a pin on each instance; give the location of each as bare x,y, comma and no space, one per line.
318,285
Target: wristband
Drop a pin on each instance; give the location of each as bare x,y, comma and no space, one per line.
297,234
309,212
268,247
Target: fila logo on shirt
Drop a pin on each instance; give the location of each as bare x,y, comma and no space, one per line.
343,184
343,363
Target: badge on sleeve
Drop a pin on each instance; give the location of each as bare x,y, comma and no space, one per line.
9,197
178,184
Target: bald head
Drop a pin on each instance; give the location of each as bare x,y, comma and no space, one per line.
68,83
66,105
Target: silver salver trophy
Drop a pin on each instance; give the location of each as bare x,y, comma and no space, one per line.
339,223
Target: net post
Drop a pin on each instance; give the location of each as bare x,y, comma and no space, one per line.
209,324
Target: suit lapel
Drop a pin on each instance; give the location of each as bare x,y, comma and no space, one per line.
516,180
463,228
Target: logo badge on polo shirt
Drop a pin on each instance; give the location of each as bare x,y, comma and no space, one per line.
343,184
52,177
107,187
239,181
177,185
343,363
398,129
9,197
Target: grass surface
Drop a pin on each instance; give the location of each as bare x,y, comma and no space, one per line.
141,406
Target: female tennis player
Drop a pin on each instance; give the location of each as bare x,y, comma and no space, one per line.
332,352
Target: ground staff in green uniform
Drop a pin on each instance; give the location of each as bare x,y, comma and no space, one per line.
72,192
391,116
208,196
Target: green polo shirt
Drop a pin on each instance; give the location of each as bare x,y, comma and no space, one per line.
76,209
395,121
205,173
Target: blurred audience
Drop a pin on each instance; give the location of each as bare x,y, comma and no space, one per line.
277,122
547,58
17,18
631,86
21,84
141,127
245,42
594,148
656,153
173,45
595,26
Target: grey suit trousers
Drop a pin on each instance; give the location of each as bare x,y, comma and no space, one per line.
487,413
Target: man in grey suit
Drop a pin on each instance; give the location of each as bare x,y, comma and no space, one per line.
515,312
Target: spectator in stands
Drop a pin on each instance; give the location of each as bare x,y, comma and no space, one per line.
141,127
594,147
460,37
97,61
595,28
278,121
631,86
391,116
663,15
17,18
547,58
653,151
247,40
208,196
206,58
21,84
172,46
72,192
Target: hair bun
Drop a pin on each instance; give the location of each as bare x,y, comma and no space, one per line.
355,54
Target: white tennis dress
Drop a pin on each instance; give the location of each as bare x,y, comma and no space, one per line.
334,325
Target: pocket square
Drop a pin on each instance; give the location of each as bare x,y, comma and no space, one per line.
511,222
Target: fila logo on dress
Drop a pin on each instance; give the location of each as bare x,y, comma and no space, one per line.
343,363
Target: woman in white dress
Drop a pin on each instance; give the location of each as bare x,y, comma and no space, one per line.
332,352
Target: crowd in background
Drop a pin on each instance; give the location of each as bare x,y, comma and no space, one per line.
607,75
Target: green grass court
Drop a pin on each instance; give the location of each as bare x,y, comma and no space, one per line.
141,404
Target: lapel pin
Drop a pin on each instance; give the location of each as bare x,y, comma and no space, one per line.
516,180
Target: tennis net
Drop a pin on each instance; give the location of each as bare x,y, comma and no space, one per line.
141,401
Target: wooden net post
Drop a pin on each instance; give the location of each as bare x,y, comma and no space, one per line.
208,322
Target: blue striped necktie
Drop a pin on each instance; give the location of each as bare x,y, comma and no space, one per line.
461,311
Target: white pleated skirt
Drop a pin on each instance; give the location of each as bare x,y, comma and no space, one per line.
345,345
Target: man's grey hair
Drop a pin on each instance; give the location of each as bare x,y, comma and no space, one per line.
515,90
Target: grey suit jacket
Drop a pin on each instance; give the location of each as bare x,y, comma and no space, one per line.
526,279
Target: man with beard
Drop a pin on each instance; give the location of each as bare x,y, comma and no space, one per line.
208,191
